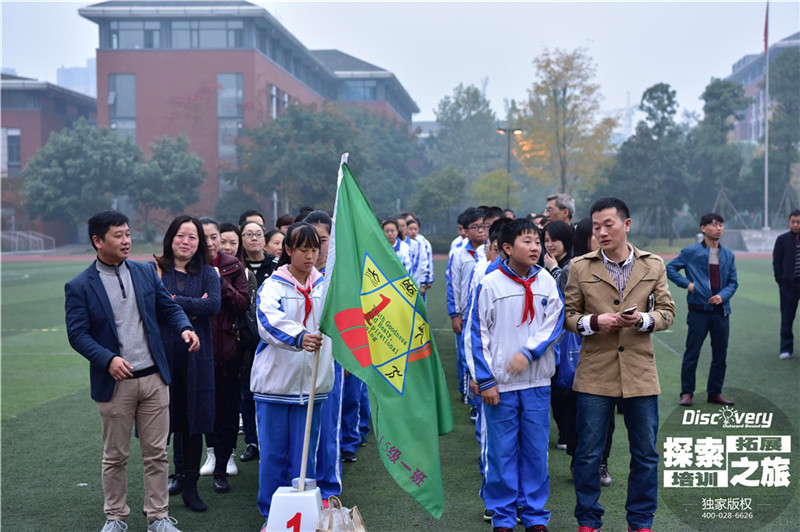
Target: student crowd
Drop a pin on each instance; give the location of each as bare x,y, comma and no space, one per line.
547,315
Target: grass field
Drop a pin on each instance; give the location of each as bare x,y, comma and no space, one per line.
51,444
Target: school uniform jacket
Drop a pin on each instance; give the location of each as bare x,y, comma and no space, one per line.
496,331
282,368
622,363
426,259
459,276
403,253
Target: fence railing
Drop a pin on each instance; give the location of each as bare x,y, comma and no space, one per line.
26,242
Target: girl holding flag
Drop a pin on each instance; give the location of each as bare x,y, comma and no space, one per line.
289,304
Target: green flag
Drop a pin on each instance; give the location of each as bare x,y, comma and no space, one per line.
376,318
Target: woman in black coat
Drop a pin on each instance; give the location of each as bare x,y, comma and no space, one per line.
184,269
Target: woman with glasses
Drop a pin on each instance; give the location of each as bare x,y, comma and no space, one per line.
256,258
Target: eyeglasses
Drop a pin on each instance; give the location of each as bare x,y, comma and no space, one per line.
252,235
476,227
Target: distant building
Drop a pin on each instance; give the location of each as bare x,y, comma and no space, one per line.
210,68
31,111
79,79
749,71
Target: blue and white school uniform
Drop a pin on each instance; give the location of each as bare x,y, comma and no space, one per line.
403,253
459,275
414,253
510,314
329,458
426,259
281,375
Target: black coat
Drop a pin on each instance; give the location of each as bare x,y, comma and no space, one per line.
783,257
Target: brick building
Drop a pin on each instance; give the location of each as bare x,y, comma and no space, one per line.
31,111
210,68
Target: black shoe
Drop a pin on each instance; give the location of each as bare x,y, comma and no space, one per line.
176,485
536,528
191,498
349,457
251,453
363,441
221,484
487,515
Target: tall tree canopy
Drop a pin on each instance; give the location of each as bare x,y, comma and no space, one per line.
78,172
170,180
467,138
564,142
298,155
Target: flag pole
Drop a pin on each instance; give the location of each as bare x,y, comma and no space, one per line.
766,122
301,485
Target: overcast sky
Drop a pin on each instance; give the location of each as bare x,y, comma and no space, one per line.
432,47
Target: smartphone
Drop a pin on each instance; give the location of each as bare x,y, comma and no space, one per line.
629,311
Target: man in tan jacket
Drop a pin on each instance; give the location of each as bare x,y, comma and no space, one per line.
615,297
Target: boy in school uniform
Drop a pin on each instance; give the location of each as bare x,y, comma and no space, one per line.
423,272
459,274
516,316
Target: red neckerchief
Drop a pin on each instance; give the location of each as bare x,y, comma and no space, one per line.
471,253
307,296
528,294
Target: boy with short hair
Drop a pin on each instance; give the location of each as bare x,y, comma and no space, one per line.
516,316
423,268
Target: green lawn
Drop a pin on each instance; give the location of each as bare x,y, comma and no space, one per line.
51,444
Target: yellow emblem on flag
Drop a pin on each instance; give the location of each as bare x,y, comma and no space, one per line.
396,332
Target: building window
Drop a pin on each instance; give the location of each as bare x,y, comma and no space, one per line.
122,104
285,100
273,101
12,162
135,35
358,91
21,100
208,34
230,95
262,41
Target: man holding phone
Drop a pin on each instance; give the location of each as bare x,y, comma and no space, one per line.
615,298
711,282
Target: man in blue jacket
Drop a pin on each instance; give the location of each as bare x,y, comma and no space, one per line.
113,310
711,282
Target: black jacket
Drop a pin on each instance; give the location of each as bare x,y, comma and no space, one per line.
783,256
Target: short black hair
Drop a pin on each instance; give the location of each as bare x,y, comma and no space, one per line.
392,221
497,227
284,219
206,220
100,223
319,218
302,213
246,214
411,219
611,203
794,213
509,211
471,215
514,228
493,212
298,234
711,218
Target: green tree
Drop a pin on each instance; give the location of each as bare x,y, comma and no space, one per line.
784,134
495,188
467,138
390,152
564,142
650,172
438,194
298,155
715,160
78,172
170,180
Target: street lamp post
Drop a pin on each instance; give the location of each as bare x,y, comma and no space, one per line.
507,131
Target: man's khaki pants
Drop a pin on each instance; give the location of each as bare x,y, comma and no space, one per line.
146,400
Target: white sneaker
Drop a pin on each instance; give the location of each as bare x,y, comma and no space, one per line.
784,356
165,524
115,526
231,468
211,463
